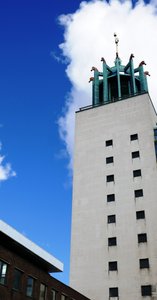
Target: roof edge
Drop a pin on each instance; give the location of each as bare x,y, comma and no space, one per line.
29,245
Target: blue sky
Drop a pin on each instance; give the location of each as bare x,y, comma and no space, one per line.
33,89
37,202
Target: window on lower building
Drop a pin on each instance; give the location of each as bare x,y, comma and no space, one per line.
133,137
144,263
142,238
109,143
3,272
112,241
112,266
63,297
135,154
42,295
140,214
30,286
113,292
17,279
146,290
110,197
111,219
53,294
138,193
109,160
137,173
109,178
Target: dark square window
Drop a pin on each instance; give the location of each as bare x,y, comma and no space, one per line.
142,238
155,135
109,143
144,263
112,241
112,266
17,279
136,173
155,132
146,290
140,214
155,140
138,193
135,154
109,160
111,219
134,137
109,178
155,144
3,272
110,197
113,292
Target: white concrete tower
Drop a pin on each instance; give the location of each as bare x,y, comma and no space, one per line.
114,213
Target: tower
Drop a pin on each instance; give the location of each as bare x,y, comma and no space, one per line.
113,240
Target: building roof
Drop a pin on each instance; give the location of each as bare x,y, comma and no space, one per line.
26,247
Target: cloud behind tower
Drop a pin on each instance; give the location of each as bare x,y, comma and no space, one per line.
88,35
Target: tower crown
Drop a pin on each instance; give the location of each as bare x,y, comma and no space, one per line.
118,82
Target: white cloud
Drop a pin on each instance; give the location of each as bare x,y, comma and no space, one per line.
5,169
88,36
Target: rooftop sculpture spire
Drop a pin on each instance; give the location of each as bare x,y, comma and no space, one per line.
116,42
118,82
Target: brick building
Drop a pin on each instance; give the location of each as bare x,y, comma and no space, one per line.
25,268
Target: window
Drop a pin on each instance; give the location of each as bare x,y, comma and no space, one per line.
113,292
109,160
112,241
144,263
140,214
63,297
135,154
133,137
155,140
42,291
112,266
111,219
155,133
54,294
29,286
142,238
110,197
17,279
138,193
146,290
3,272
109,178
136,173
109,143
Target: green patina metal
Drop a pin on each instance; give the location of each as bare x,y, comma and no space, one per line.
119,81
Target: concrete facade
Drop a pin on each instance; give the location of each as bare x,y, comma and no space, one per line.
91,228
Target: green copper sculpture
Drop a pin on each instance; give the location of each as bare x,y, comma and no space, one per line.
118,82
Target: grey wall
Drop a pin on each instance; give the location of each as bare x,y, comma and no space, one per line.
90,253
